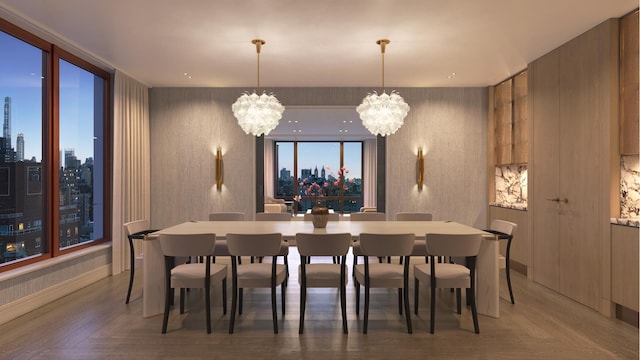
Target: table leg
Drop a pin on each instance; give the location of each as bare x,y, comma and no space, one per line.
153,279
488,286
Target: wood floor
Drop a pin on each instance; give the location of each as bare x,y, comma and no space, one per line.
95,323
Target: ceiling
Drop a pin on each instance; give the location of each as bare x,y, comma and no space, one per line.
327,43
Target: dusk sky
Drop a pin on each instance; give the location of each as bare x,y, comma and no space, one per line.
21,80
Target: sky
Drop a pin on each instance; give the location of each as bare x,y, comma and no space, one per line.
327,154
21,80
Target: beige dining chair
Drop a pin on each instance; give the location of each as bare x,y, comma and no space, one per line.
221,244
135,230
505,230
384,275
419,248
191,275
284,248
363,216
323,275
256,275
265,216
449,275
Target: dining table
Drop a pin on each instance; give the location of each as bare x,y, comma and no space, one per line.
487,261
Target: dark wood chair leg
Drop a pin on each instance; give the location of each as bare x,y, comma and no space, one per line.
133,267
416,295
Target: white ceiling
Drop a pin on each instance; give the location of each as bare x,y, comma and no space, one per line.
328,43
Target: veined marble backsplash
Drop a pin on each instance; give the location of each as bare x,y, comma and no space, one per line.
511,186
629,186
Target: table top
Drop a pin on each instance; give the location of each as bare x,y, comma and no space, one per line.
289,229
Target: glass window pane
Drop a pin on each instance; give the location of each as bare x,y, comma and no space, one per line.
81,156
353,169
21,187
285,170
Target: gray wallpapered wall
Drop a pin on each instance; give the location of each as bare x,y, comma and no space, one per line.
188,124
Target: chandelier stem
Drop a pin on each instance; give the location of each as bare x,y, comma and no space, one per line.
258,43
383,45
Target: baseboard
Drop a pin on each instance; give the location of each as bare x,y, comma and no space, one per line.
627,315
516,266
31,302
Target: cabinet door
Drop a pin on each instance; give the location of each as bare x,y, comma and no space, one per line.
545,168
520,119
629,84
503,122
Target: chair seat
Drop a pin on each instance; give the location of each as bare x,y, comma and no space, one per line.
259,275
448,275
190,275
382,275
322,275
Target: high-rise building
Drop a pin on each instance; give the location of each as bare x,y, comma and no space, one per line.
20,147
6,125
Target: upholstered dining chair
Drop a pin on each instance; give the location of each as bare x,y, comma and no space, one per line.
191,275
363,216
284,248
449,275
505,230
323,275
221,244
384,275
256,275
419,248
135,230
265,216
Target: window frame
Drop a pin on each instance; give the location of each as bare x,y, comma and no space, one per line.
52,54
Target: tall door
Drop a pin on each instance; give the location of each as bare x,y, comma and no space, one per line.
572,112
545,168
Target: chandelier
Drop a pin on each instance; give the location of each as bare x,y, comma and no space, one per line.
257,114
383,114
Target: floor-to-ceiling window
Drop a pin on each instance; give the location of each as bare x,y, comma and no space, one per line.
329,172
53,165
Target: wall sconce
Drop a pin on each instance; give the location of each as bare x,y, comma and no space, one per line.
420,169
219,169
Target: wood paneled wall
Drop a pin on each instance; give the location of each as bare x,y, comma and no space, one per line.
188,124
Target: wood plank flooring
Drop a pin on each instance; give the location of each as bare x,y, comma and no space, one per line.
95,323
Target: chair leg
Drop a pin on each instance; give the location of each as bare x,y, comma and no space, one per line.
343,298
416,295
182,296
167,295
433,305
508,271
407,309
224,296
400,301
357,285
133,266
474,312
283,294
207,303
274,310
459,301
366,309
234,302
303,299
240,292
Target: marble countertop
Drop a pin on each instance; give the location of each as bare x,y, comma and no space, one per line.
634,222
522,207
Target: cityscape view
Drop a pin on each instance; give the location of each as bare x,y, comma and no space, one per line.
23,186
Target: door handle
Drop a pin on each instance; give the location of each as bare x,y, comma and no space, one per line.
565,200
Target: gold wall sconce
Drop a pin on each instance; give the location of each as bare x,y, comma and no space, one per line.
420,169
219,169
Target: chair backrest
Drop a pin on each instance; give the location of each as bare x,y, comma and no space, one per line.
254,244
332,217
133,227
323,244
503,226
387,244
413,216
226,216
368,216
453,244
264,216
187,244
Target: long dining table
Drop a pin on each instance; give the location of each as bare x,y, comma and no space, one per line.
487,262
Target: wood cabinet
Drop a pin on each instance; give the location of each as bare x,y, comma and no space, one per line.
502,123
629,85
624,266
573,92
511,121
